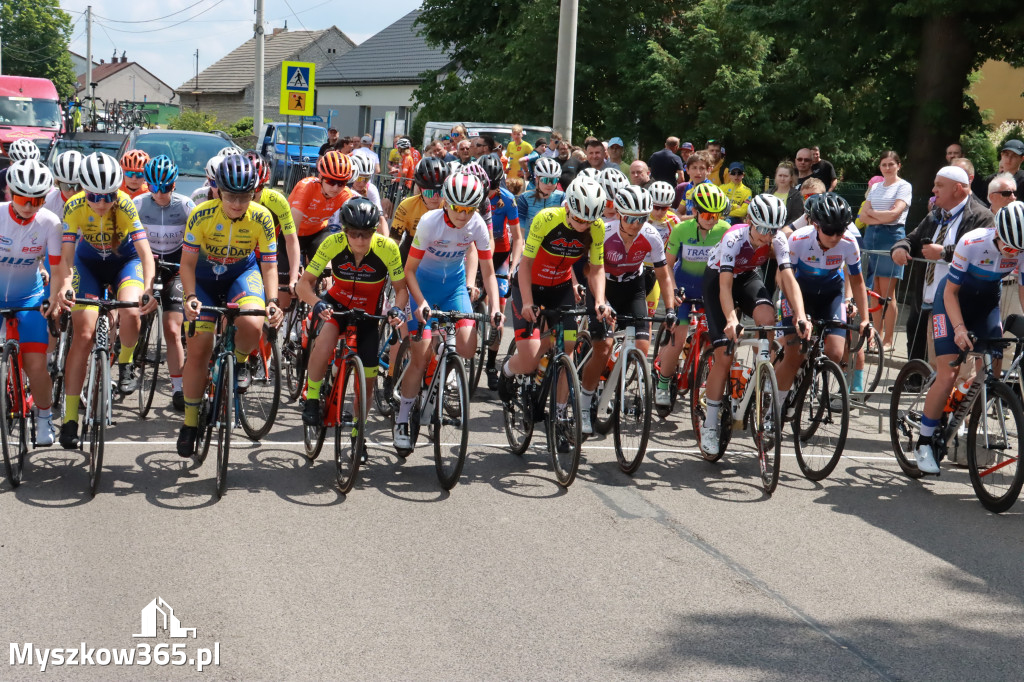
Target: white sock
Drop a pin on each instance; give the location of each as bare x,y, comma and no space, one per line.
175,384
403,410
43,414
713,407
505,370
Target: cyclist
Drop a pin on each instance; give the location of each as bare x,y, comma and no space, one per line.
436,274
133,163
689,246
31,233
65,172
317,198
361,263
105,240
164,213
818,253
559,237
208,191
732,280
966,302
545,193
22,149
663,217
611,181
429,177
362,171
284,228
219,265
629,242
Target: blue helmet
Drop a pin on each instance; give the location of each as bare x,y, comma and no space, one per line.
236,174
161,172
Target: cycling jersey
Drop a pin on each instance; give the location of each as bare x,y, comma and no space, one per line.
358,286
504,216
55,201
309,199
555,246
201,194
529,204
977,263
23,243
692,252
408,215
736,254
625,264
739,198
820,270
685,197
227,247
665,225
441,247
274,201
102,238
132,193
165,225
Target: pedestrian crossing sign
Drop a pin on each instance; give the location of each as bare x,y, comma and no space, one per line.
297,88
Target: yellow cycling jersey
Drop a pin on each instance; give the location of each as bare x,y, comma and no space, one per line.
407,216
277,204
101,237
555,246
227,247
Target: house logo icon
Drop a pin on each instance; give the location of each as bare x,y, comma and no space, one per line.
157,615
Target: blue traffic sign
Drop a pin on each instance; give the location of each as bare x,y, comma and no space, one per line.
298,78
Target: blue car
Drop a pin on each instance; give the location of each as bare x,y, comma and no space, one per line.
302,148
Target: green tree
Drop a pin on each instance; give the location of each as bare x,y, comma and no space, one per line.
35,37
190,119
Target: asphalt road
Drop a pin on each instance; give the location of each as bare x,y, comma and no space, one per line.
684,571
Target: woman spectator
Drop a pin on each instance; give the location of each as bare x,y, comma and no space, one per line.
885,215
785,189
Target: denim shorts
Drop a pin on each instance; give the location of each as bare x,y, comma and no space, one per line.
882,238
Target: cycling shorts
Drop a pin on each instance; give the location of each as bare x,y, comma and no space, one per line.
245,290
91,277
820,305
653,290
979,307
625,298
172,294
367,335
748,292
32,334
693,287
545,297
443,296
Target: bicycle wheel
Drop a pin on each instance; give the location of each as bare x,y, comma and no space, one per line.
766,426
563,421
874,361
699,406
476,365
450,423
905,410
632,421
350,430
57,370
206,409
225,418
147,361
293,354
821,421
259,404
993,448
384,382
313,436
96,422
584,346
13,424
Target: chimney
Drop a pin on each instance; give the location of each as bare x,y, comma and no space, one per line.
101,61
123,58
276,31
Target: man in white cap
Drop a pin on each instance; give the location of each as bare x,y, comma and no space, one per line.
366,149
615,148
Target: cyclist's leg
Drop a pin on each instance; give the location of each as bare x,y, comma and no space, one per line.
172,296
33,337
792,358
129,288
639,306
84,325
200,347
367,338
528,348
248,294
616,293
283,268
835,340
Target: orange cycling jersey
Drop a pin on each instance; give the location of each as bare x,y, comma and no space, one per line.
358,285
309,199
143,189
555,247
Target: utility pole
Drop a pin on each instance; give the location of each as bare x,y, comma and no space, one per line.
195,90
90,92
257,87
565,70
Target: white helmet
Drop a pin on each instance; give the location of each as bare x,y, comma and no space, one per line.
590,173
454,167
767,213
633,200
1010,224
29,178
212,165
463,189
546,167
662,193
362,165
585,199
23,148
612,180
101,173
229,151
67,166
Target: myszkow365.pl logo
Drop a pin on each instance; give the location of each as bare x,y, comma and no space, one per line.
157,616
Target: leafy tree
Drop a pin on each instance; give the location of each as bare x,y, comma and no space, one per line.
35,37
241,128
190,119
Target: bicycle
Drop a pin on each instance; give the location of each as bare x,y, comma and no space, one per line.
554,382
219,407
874,353
696,343
625,399
384,383
295,350
488,337
992,454
443,398
151,338
746,403
349,424
258,405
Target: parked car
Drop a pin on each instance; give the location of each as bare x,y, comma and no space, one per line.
303,147
190,150
29,107
87,143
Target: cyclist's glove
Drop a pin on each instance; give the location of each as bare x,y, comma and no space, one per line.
398,313
319,308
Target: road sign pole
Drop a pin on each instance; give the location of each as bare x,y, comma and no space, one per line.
284,171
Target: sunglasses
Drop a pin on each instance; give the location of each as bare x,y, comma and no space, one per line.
69,188
358,234
101,198
161,189
577,221
133,174
708,216
430,193
334,183
735,172
463,209
27,201
1010,251
659,208
1007,193
212,183
549,181
233,198
363,178
633,219
830,231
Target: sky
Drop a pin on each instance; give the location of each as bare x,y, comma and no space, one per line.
166,48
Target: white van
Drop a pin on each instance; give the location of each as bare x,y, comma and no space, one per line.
501,132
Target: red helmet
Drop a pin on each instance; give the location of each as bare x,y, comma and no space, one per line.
260,165
335,166
134,161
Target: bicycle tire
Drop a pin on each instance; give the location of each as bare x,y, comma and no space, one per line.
204,424
347,460
147,361
451,409
313,436
766,415
225,418
294,355
518,413
384,382
905,409
566,426
996,474
476,365
259,405
57,393
633,409
97,421
13,424
816,409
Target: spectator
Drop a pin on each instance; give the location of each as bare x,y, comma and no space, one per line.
965,163
615,148
458,133
517,149
1010,158
1002,189
540,148
464,152
685,152
804,162
594,156
954,151
553,142
333,142
366,149
666,165
700,164
785,189
717,173
564,158
886,217
823,170
482,145
737,193
640,174
436,149
348,144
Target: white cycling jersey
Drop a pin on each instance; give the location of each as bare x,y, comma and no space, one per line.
22,245
55,202
736,254
977,263
815,266
165,225
441,247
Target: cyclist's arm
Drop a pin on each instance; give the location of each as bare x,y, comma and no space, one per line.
664,276
66,270
297,217
401,293
415,295
382,226
860,294
595,276
490,284
517,245
526,281
148,265
790,286
304,289
472,263
291,246
187,272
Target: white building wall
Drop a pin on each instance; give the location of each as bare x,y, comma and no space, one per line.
147,88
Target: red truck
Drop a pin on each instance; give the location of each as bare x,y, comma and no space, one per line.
29,107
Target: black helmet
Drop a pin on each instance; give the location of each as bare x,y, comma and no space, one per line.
495,171
236,174
431,172
831,213
360,214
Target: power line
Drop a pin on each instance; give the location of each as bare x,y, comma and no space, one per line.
163,28
147,21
